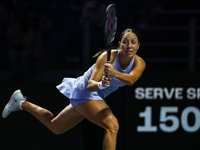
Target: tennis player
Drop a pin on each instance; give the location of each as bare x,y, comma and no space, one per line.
87,92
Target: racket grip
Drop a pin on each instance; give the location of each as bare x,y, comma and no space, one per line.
108,62
108,55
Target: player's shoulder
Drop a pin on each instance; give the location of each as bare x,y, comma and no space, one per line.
114,51
139,59
113,55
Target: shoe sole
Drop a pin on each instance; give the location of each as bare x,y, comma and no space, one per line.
8,104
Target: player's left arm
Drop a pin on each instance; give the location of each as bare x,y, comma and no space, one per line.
138,68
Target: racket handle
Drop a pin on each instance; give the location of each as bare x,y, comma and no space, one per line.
108,55
108,62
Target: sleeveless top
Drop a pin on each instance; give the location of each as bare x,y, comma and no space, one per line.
76,88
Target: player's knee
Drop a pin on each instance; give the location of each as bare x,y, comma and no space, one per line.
112,126
56,131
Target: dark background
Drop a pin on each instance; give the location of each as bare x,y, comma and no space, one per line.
169,31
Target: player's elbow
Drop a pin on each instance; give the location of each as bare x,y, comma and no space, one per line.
90,87
131,82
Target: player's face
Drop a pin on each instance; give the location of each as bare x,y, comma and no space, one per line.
129,44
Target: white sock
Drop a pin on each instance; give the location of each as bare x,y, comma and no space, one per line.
20,104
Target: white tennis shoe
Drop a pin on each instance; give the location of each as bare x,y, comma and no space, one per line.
13,104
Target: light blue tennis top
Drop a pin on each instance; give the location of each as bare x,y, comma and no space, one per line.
76,88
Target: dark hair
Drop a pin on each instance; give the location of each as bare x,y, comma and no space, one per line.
120,38
129,30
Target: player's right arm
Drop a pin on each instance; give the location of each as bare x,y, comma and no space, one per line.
97,73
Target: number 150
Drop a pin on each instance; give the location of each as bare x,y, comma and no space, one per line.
165,116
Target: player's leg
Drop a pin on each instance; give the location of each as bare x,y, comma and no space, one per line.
99,113
64,121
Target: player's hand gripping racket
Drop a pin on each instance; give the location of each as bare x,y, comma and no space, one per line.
110,28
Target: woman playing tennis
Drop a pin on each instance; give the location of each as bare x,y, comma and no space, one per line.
87,93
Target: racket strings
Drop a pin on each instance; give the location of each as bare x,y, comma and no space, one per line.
111,25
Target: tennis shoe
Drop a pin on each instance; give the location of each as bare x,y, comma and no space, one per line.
13,104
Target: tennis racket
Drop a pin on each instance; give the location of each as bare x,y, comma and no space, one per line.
110,28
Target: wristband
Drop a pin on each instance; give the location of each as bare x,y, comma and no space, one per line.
100,86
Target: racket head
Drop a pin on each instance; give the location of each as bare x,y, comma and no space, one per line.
110,27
